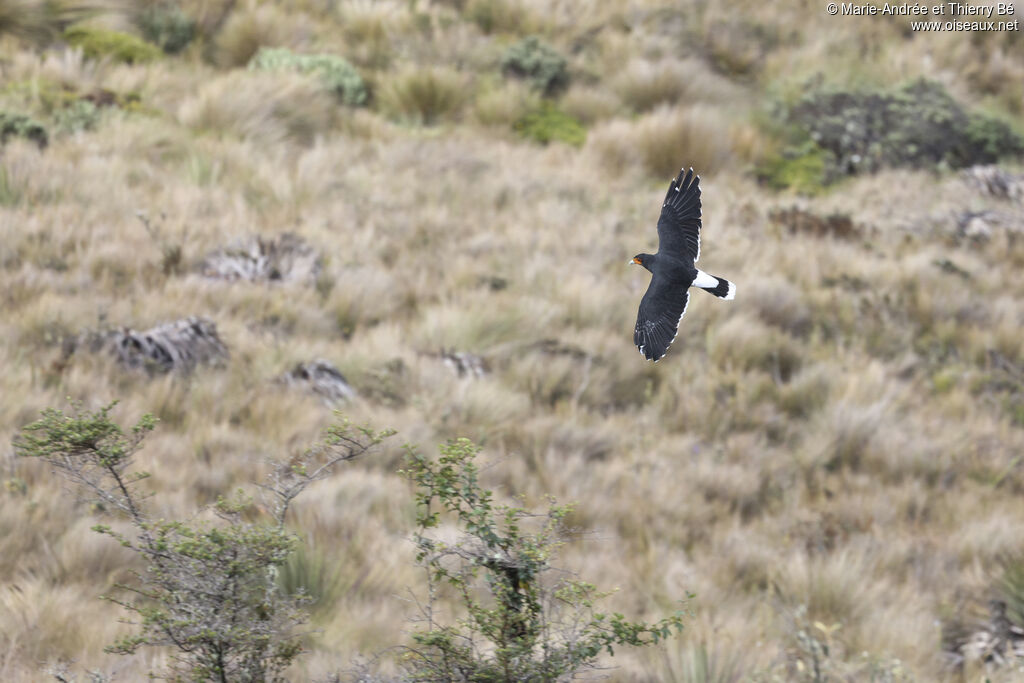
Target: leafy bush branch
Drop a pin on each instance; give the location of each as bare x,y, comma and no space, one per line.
209,589
520,624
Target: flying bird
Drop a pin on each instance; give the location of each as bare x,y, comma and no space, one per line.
673,270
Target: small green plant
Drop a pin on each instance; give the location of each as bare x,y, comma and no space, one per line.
337,75
539,64
79,115
547,123
167,26
801,168
98,43
209,590
22,126
519,624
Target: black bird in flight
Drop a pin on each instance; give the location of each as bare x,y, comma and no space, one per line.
673,269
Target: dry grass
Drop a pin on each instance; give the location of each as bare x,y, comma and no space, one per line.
657,141
423,96
845,437
272,108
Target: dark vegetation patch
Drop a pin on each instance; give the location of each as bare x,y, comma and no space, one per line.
15,125
167,26
802,221
536,62
831,133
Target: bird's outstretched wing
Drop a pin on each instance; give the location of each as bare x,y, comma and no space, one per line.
657,322
679,224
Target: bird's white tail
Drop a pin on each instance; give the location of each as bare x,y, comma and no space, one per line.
718,286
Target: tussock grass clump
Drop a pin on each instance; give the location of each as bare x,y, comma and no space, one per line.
423,96
589,104
504,106
737,47
780,303
373,31
659,140
337,75
41,21
248,30
643,86
98,43
269,108
707,663
745,344
310,574
500,16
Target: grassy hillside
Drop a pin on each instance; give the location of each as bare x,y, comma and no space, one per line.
832,462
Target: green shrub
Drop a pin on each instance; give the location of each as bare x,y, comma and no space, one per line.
337,75
22,126
79,115
830,133
97,43
546,124
801,168
167,26
209,589
522,620
538,63
989,139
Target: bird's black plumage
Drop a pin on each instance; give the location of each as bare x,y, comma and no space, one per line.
672,269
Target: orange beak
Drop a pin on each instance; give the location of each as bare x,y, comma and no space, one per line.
637,261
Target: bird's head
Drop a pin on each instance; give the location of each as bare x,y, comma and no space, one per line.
645,260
